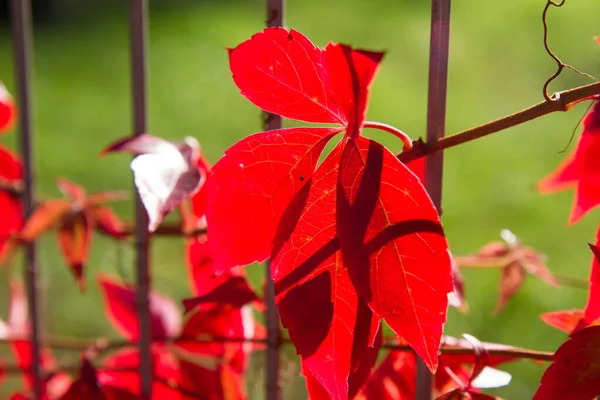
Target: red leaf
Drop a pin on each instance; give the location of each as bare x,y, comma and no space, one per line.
282,72
516,262
574,320
199,199
108,222
74,237
457,297
564,320
234,292
45,216
356,240
71,189
120,307
250,187
466,394
418,168
393,232
575,371
220,383
95,199
317,302
513,276
199,264
18,396
11,170
394,378
8,110
165,368
580,170
87,387
592,309
315,390
350,73
218,323
292,70
363,362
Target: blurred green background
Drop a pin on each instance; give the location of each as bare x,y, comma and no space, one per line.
497,66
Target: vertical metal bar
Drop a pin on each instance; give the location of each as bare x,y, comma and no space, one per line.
22,43
436,126
138,38
272,121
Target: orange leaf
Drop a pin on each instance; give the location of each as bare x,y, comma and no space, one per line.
74,238
43,218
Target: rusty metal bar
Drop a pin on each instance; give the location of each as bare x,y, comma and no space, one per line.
138,41
436,127
272,121
22,43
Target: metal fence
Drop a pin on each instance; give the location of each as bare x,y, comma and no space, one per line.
138,21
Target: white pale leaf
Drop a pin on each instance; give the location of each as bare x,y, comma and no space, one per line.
155,177
491,378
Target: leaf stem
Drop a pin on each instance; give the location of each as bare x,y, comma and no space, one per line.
406,140
560,101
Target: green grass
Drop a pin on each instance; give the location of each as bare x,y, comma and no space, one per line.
497,66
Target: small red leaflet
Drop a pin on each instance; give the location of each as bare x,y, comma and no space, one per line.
580,170
572,321
351,242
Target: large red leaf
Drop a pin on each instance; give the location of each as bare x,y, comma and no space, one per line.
393,245
318,304
575,372
120,305
8,109
250,187
351,243
581,169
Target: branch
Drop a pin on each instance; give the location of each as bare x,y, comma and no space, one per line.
516,352
164,229
449,345
475,261
560,101
105,344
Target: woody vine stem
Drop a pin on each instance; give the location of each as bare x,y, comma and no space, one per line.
100,346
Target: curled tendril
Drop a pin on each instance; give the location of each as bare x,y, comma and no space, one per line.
559,63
